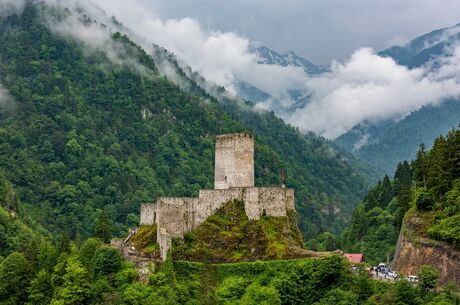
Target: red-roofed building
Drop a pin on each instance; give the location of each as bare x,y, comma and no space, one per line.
355,258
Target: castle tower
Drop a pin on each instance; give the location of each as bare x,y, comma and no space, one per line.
234,162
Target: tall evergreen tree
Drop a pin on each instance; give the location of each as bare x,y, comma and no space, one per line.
64,243
438,180
386,192
103,230
453,144
421,164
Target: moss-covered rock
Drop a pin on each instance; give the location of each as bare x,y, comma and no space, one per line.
229,236
145,240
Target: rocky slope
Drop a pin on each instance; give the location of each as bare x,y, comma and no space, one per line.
415,249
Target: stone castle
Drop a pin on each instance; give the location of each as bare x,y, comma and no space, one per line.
233,179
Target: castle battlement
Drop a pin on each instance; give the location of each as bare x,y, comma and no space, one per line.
234,179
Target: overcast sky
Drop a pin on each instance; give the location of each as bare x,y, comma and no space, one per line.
317,29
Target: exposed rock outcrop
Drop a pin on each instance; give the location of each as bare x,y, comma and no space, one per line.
415,249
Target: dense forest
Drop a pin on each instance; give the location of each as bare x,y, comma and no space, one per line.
428,188
85,134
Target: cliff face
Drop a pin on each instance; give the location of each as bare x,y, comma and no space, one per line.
415,249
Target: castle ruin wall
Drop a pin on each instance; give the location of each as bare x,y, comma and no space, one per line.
148,214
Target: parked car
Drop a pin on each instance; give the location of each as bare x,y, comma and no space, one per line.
412,278
393,274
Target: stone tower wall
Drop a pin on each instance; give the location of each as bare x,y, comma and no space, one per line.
274,201
148,214
234,161
258,201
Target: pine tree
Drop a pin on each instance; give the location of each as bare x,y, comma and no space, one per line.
358,224
453,145
64,243
421,164
404,200
386,193
438,180
103,230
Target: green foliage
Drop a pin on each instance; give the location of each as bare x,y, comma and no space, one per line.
75,287
424,200
79,144
87,251
14,279
325,241
404,293
257,294
8,197
103,230
339,297
231,290
428,277
107,261
447,229
41,289
326,280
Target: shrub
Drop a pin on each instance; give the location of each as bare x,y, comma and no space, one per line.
428,277
447,230
107,261
424,201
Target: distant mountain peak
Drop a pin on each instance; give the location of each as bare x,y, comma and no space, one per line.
290,58
424,48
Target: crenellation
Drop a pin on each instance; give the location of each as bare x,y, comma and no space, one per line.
234,179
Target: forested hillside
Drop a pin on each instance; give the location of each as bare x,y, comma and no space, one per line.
391,142
84,133
428,189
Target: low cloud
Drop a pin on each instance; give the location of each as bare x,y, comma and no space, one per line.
89,24
370,88
7,103
9,7
4,96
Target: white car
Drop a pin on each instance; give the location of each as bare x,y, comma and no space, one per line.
412,278
393,274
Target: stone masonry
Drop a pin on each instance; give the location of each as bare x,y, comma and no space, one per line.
234,179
